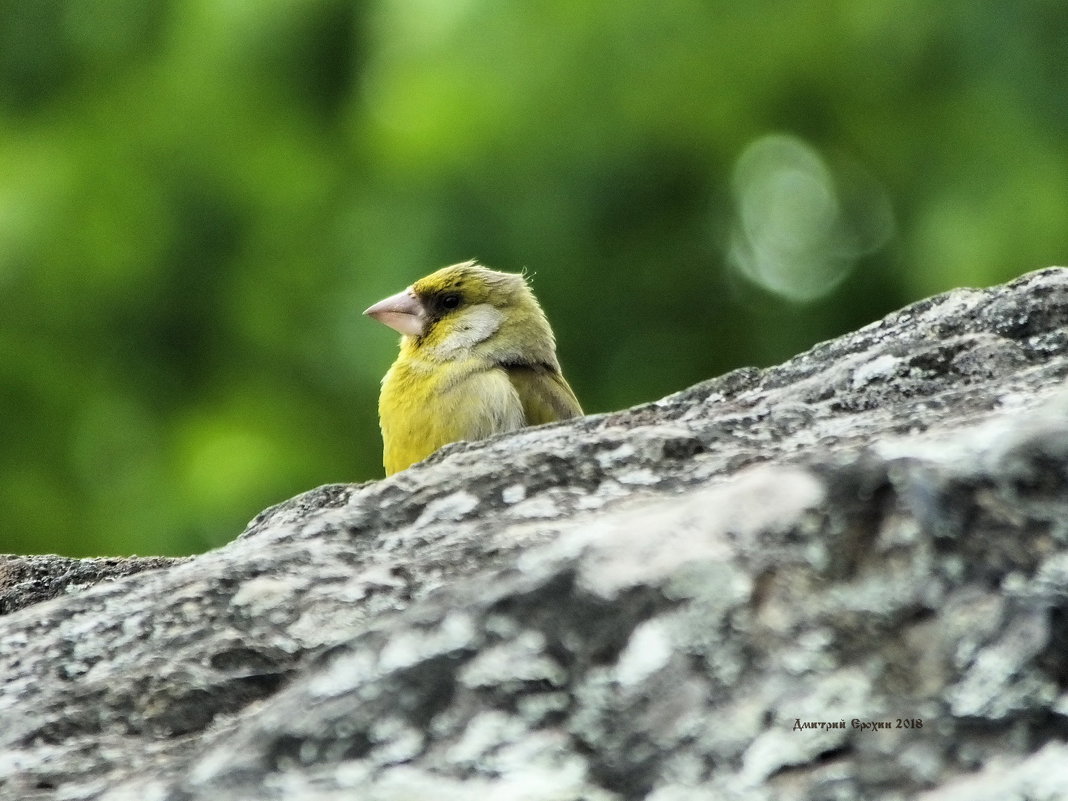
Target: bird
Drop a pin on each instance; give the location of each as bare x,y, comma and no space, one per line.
477,358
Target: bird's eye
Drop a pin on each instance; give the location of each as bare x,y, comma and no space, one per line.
450,301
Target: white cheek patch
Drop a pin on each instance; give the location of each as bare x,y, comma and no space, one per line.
477,324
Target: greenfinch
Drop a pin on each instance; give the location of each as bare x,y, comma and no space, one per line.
477,358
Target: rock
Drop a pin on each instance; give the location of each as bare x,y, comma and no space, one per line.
845,577
26,580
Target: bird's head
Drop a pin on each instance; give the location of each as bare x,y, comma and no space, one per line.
467,310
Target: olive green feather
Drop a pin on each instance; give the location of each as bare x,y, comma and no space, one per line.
544,394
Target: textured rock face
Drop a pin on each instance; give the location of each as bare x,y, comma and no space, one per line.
842,578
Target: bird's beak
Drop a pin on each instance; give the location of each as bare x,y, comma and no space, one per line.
403,312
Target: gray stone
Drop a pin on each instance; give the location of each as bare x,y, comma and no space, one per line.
845,577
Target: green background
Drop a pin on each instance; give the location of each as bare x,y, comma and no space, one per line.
198,199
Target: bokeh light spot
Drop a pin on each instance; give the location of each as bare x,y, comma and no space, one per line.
794,233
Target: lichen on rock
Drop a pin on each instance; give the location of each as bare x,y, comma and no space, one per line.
843,577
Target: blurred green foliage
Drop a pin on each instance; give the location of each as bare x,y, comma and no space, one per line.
198,198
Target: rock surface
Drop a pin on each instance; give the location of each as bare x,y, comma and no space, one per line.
26,580
845,577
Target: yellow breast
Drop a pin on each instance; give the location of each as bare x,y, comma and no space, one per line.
424,406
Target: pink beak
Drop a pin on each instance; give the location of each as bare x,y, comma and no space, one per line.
402,312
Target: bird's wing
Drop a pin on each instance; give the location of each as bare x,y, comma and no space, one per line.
544,393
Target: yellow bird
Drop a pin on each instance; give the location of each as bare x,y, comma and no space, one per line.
477,358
